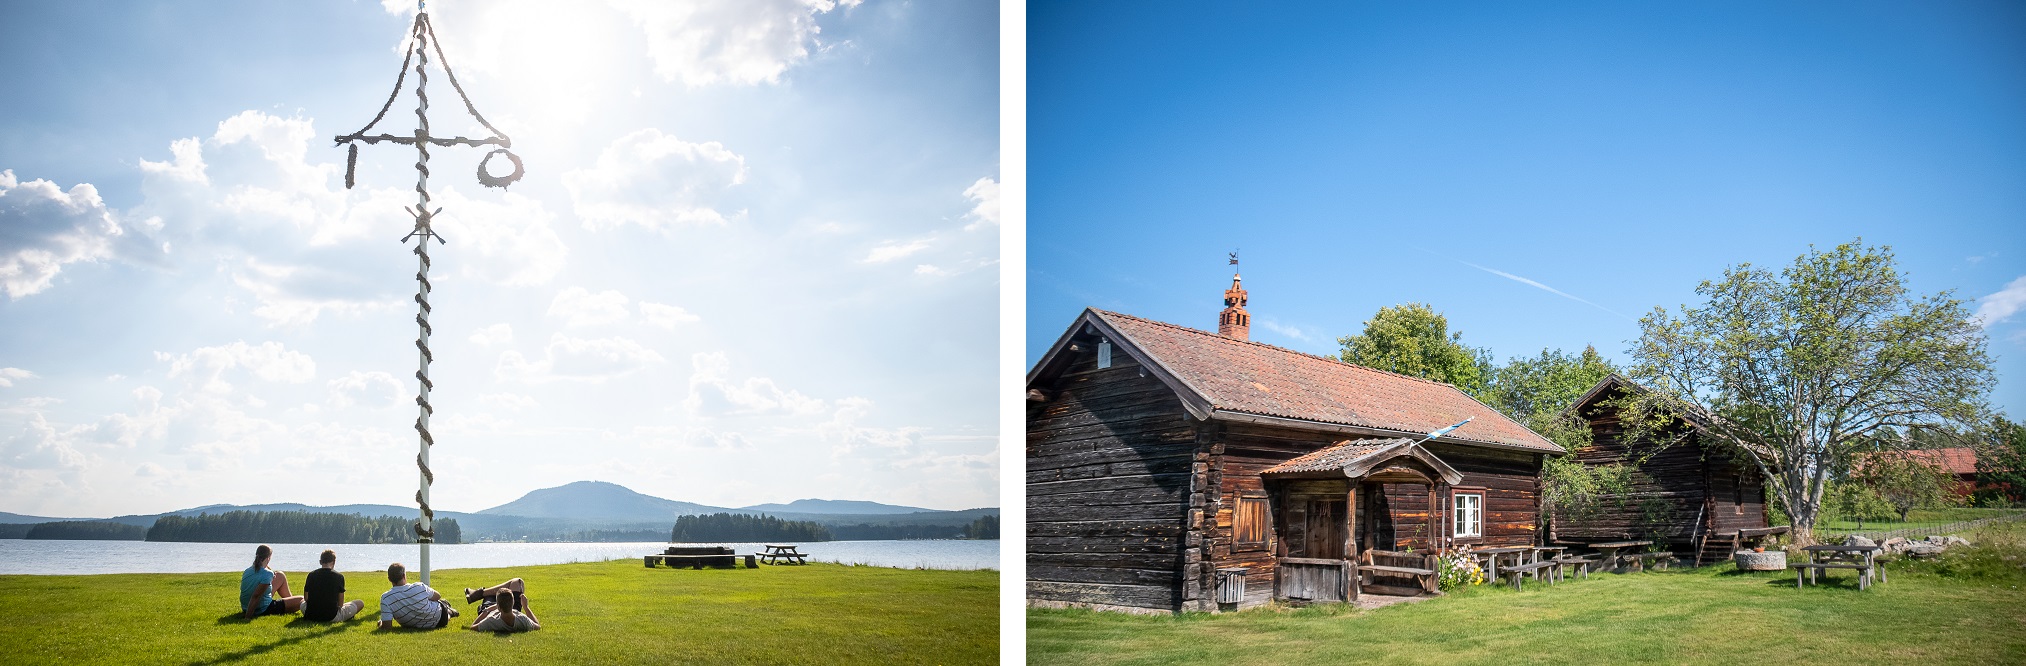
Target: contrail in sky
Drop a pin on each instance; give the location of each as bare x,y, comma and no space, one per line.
1538,285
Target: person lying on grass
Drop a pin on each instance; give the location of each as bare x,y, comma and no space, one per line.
505,608
324,593
413,604
265,592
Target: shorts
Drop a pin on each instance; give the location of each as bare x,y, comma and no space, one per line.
274,607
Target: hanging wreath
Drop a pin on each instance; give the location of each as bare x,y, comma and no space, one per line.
487,179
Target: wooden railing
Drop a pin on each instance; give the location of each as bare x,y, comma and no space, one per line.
1309,579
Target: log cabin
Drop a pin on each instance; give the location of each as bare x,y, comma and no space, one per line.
1171,469
1692,495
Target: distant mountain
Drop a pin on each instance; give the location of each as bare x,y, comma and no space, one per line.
598,500
581,511
823,506
18,519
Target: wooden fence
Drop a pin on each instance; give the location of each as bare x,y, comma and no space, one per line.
1921,531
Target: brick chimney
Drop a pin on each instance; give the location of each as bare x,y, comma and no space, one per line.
1233,322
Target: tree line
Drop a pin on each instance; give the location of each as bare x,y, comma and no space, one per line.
721,527
87,530
1805,373
295,527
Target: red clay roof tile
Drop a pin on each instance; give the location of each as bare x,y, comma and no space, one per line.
1257,378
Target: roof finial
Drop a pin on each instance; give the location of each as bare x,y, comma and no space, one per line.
1234,258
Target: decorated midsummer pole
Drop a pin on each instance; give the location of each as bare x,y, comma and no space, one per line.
423,39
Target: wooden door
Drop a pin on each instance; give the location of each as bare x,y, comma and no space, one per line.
1323,535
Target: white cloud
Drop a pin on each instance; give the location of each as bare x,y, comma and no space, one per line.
296,295
666,316
577,359
846,436
509,402
892,250
43,229
375,389
577,306
496,334
269,361
40,445
1285,329
986,213
9,375
656,181
736,42
2000,307
713,393
931,269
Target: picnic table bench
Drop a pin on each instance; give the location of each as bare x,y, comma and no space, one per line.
1856,558
1609,552
1521,572
1580,564
783,554
697,557
1369,563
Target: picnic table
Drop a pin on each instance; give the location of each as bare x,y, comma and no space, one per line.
1858,558
1610,552
783,554
1489,557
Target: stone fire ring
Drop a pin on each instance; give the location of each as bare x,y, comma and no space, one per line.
1772,560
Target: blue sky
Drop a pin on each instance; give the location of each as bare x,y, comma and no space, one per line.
1477,156
754,258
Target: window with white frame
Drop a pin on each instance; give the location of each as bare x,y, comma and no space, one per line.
1469,514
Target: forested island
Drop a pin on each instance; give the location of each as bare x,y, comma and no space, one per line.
87,530
294,527
719,527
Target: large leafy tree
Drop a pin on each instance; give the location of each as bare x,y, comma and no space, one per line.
1805,368
2001,462
1413,339
1537,392
1905,482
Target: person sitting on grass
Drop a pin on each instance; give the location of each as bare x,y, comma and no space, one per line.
505,609
324,593
413,604
263,591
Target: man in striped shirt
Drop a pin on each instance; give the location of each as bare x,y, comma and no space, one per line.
414,605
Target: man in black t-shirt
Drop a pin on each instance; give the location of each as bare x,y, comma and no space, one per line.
324,593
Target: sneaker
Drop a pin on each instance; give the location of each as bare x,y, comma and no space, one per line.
470,596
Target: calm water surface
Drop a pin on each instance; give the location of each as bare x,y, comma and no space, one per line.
22,556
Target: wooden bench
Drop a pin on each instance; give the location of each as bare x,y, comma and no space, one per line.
1397,565
783,554
1581,564
1659,560
695,557
1811,569
1521,572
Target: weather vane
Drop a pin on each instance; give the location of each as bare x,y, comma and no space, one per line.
423,40
1234,257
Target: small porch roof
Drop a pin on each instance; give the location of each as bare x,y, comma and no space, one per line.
1375,459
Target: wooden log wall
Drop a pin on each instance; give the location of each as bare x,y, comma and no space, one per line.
1241,451
1110,456
1511,481
1669,491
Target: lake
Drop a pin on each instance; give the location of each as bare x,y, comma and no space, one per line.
23,556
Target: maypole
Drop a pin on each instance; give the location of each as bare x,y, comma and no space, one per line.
423,39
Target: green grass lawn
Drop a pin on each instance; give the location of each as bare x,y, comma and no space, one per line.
607,612
1968,608
1915,518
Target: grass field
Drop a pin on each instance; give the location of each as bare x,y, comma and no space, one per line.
1967,608
1914,519
609,612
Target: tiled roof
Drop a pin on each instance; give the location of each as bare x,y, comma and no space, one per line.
1255,378
1961,460
1331,458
